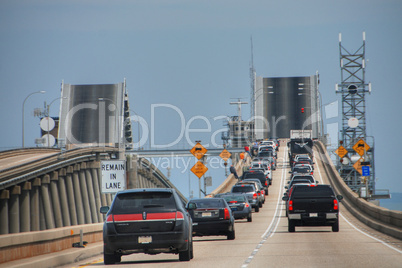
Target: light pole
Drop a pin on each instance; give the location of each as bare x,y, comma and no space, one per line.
138,121
23,110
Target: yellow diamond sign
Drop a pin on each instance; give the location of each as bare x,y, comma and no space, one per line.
360,147
198,150
341,151
199,169
225,155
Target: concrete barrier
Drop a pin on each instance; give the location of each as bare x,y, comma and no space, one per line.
381,219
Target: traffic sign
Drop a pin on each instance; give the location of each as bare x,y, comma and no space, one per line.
198,150
358,166
366,170
360,147
199,169
341,151
225,155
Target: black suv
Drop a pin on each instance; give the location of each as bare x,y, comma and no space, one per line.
150,221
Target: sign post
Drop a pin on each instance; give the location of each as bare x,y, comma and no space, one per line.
113,176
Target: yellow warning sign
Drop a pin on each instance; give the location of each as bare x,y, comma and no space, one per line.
198,150
360,147
341,151
199,169
358,166
225,155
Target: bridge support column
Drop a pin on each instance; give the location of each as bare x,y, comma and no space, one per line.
132,172
97,190
14,215
35,205
70,195
25,207
77,194
47,206
91,195
56,200
4,197
63,197
84,194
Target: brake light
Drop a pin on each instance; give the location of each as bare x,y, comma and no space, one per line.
227,214
312,173
254,195
290,205
109,218
247,205
179,215
336,207
233,201
259,193
266,183
312,185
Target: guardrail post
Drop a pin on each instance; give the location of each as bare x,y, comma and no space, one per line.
4,197
63,197
35,205
25,207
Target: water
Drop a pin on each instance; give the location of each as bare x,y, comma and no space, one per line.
394,203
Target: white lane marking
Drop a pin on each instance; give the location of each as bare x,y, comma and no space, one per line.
356,228
275,219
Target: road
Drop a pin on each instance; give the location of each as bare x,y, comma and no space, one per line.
265,242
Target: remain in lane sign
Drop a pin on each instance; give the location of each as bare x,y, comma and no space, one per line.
199,169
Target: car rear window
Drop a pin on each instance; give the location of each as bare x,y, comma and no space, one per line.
301,191
143,201
303,178
209,203
238,198
243,189
250,175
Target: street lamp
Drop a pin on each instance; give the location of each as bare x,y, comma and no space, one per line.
23,110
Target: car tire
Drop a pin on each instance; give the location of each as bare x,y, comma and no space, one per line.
291,226
335,226
231,235
260,204
186,254
110,259
249,218
257,209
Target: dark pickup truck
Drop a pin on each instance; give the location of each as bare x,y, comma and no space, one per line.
312,205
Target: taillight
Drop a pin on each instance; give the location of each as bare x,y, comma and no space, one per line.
266,183
109,218
290,205
336,207
254,195
312,173
179,215
247,205
233,201
227,214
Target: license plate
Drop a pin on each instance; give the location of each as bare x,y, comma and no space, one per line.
144,239
313,215
234,208
206,214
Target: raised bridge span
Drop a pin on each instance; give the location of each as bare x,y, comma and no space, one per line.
369,236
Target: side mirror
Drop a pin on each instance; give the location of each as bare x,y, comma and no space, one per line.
339,197
285,198
286,187
191,206
317,182
104,209
290,172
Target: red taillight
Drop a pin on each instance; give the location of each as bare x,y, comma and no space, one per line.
254,195
312,185
227,214
109,218
179,215
290,205
266,183
247,205
233,201
336,207
312,173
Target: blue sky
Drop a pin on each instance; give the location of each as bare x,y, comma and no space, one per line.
195,55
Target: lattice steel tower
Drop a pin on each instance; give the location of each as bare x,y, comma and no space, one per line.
353,89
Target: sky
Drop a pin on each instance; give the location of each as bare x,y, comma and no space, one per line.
185,61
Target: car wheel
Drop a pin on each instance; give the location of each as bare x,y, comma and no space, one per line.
335,226
186,254
291,226
257,209
110,259
260,204
249,218
231,235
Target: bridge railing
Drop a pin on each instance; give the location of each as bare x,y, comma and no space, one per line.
379,218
